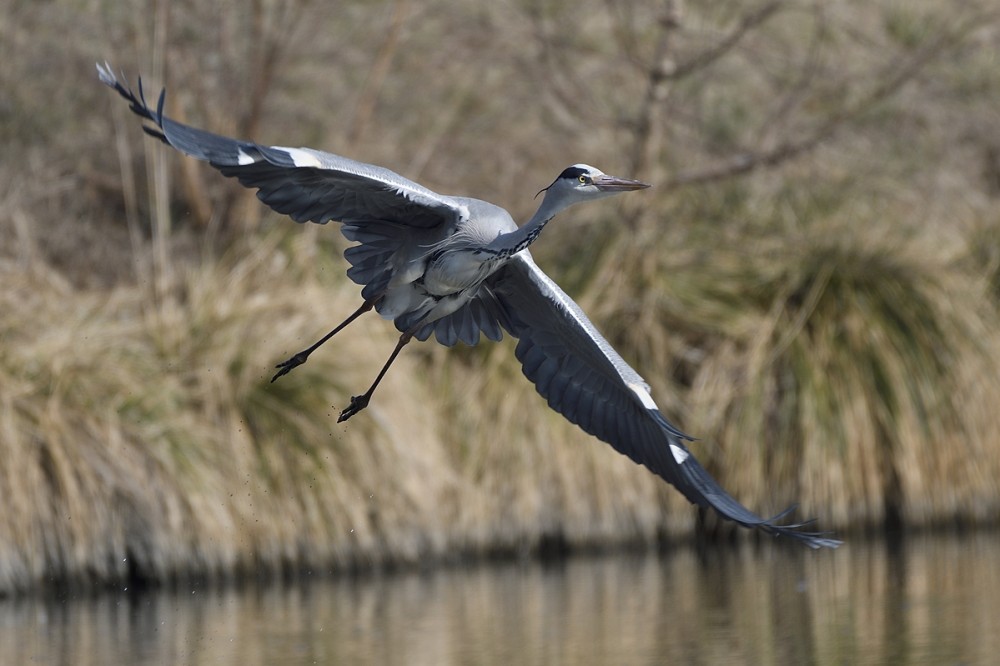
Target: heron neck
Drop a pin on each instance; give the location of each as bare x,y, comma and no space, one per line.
509,244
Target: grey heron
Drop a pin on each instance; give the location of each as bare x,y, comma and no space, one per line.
456,268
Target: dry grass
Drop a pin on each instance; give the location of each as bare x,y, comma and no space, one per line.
142,433
144,438
854,373
826,323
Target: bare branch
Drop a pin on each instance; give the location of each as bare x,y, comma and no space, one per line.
749,21
646,130
376,78
664,69
900,72
798,92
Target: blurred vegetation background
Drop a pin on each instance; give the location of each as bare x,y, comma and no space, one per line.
811,286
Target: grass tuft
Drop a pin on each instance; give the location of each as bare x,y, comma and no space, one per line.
846,379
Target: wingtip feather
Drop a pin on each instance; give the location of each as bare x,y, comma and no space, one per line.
106,74
137,102
814,540
705,491
159,107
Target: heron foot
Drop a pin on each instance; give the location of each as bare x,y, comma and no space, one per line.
287,366
358,402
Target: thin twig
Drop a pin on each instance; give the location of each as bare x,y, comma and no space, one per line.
365,109
748,22
901,72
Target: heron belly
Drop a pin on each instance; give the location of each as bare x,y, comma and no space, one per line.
449,280
411,306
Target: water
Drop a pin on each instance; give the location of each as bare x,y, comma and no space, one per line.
934,600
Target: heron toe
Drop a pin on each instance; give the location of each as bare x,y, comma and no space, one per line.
358,402
287,366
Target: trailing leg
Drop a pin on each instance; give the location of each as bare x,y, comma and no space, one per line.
359,402
295,361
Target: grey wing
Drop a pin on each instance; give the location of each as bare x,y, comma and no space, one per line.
582,377
483,313
307,185
393,220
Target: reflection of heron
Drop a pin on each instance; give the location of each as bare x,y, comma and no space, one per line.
456,267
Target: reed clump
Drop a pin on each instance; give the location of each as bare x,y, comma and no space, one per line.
839,366
142,435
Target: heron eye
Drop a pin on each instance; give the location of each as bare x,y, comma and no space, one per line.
584,179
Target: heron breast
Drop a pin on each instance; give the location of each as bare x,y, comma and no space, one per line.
457,270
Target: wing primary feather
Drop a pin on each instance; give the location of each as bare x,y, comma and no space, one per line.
571,401
723,503
557,388
142,98
670,427
159,106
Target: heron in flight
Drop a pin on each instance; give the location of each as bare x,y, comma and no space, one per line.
456,268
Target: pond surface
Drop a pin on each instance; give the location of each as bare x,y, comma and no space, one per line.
932,600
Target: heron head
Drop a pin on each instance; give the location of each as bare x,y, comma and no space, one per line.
582,182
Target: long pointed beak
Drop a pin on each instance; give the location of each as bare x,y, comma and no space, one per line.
607,183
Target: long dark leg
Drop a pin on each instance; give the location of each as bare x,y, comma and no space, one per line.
287,366
359,402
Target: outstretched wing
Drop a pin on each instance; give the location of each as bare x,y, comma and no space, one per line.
392,219
307,185
583,378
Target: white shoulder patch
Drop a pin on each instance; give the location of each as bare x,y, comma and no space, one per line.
644,397
301,158
243,159
680,455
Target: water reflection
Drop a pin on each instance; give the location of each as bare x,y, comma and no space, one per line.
935,600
